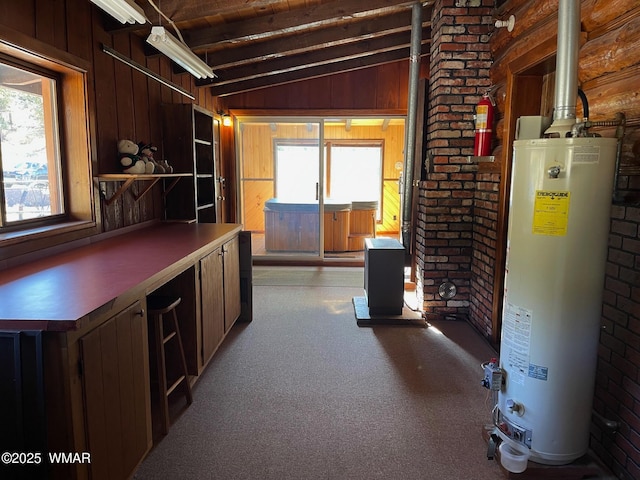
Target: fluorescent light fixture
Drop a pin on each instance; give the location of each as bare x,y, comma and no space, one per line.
125,11
179,53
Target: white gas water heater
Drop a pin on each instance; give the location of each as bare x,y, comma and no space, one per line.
560,204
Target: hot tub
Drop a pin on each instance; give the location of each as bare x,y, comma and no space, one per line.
292,226
362,223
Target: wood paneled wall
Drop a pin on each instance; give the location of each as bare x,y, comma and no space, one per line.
128,105
376,88
125,103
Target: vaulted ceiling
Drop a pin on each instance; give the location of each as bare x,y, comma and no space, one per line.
256,44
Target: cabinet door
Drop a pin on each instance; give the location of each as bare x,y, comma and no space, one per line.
212,303
231,283
115,373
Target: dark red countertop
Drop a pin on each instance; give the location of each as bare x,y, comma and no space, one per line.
55,292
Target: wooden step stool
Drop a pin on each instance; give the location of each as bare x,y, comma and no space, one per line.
159,306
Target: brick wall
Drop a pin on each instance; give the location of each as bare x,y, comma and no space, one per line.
459,75
617,395
485,225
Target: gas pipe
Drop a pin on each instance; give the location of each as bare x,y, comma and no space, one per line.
484,125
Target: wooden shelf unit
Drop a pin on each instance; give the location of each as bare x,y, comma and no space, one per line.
190,140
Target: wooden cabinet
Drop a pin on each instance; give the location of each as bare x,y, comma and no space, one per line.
94,378
115,380
231,279
220,295
212,298
190,145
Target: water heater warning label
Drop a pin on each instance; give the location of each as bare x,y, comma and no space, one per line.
551,213
586,154
516,341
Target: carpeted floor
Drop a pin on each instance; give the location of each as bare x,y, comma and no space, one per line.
309,276
303,393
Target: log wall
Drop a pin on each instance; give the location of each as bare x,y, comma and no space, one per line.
608,69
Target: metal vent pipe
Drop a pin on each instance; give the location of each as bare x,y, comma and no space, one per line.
410,133
566,90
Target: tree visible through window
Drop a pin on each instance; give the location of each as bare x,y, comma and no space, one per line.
29,147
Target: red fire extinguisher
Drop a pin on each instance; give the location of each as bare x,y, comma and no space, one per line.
484,126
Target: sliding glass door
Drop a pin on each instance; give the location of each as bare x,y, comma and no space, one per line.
280,184
303,201
354,171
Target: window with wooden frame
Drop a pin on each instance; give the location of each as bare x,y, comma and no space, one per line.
30,166
46,191
354,170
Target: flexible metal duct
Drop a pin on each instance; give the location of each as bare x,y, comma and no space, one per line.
410,134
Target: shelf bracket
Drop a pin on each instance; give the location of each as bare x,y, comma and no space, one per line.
147,188
128,180
123,188
170,187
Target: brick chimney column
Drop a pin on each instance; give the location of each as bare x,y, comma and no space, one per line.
459,75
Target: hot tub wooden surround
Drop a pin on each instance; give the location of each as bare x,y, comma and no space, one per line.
88,306
292,226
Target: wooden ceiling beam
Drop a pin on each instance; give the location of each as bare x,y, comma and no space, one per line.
292,21
317,58
185,11
306,42
315,72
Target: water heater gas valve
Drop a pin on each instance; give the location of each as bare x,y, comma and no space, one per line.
492,375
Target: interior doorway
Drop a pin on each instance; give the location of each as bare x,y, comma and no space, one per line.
306,203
